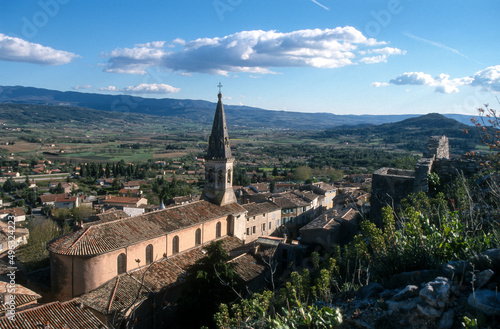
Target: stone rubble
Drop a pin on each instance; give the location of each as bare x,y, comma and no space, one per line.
437,303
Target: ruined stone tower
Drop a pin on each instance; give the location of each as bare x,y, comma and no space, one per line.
219,162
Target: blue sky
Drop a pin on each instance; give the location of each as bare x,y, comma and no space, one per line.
342,57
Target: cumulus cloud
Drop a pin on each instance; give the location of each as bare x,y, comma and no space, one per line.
254,51
154,88
413,78
18,50
489,79
80,87
144,88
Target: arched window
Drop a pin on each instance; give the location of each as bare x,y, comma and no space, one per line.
220,177
198,237
229,176
218,230
175,245
122,263
211,176
149,254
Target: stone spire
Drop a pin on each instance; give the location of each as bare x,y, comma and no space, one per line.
219,162
218,143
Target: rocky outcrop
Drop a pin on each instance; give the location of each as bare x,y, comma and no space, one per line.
461,288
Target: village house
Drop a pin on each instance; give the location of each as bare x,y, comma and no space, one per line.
331,228
20,237
67,202
11,174
327,191
284,187
180,200
262,218
131,205
18,214
50,199
130,192
67,187
133,185
106,181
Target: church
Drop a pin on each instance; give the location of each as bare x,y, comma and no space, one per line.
95,262
97,253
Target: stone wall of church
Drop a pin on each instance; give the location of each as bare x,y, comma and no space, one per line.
61,276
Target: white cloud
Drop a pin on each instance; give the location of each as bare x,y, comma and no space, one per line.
154,88
18,50
374,59
144,88
489,79
109,88
413,78
379,84
154,44
79,87
254,51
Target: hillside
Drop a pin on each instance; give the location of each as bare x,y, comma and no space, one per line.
198,111
412,134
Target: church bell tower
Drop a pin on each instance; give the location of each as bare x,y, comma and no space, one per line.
219,162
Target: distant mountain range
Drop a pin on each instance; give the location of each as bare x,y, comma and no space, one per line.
198,111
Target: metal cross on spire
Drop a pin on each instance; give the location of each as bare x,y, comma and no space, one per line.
220,86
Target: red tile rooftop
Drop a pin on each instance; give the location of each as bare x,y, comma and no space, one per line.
105,237
69,314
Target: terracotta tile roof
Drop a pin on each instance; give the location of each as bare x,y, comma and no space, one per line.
247,268
117,294
169,271
108,216
307,195
104,237
289,200
23,295
261,187
57,314
330,219
324,186
121,292
52,197
13,211
66,199
133,183
121,199
260,208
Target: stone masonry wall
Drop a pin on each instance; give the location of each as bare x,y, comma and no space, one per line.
390,186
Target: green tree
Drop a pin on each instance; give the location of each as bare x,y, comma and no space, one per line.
80,214
302,173
9,185
34,254
209,282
